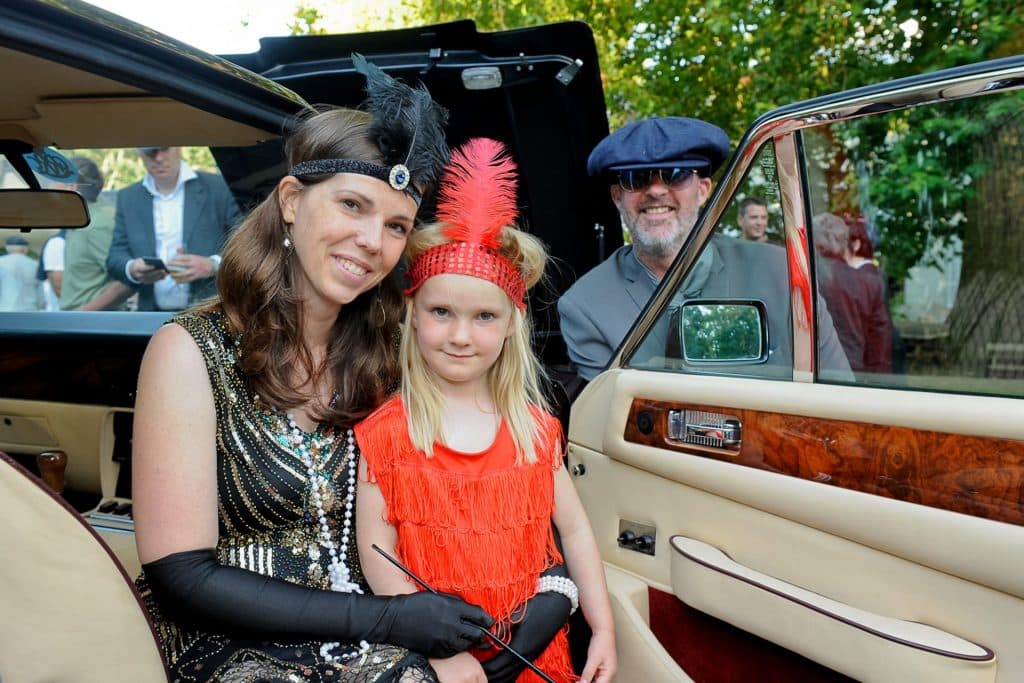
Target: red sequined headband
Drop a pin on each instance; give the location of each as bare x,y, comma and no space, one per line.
477,198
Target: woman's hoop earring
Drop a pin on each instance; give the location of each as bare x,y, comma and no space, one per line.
379,315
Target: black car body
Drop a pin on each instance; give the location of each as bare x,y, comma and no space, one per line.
545,103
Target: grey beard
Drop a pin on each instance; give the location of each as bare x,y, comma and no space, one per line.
659,248
656,248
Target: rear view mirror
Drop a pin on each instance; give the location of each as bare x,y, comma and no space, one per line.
32,209
724,331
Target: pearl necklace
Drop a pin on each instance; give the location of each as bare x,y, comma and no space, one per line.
341,579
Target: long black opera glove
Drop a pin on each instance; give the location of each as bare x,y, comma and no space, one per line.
193,587
545,615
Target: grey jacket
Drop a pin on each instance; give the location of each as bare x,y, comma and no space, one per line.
598,310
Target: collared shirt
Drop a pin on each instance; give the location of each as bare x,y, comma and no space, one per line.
168,223
52,261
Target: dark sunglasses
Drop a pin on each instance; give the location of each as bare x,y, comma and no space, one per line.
151,152
635,180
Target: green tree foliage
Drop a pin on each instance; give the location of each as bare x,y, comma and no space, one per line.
728,61
306,20
122,166
925,167
721,332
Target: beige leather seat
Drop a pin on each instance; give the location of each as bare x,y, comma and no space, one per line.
68,612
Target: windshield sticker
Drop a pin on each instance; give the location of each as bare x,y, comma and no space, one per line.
51,164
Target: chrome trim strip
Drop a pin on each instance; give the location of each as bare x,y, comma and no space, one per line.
801,287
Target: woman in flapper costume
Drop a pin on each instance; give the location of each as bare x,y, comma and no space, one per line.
244,459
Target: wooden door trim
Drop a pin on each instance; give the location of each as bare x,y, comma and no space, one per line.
978,476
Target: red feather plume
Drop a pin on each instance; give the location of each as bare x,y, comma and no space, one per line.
477,197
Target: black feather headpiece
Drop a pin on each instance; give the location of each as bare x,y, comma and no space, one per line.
406,127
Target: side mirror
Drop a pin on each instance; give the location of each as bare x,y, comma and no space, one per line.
33,209
724,332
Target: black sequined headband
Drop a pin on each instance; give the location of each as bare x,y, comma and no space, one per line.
397,176
406,126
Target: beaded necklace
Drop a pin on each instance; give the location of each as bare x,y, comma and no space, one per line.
319,487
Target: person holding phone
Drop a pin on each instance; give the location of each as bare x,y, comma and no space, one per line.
169,230
158,264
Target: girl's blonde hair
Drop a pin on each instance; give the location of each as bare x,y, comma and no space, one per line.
514,379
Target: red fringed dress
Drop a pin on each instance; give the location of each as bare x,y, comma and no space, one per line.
473,524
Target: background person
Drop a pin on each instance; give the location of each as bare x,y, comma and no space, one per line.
87,286
855,298
19,288
179,215
752,217
51,266
244,463
463,470
862,257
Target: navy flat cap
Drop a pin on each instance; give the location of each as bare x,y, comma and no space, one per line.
661,141
16,241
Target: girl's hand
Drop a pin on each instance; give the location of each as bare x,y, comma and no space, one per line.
462,668
601,659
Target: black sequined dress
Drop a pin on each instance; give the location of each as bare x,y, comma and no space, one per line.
270,524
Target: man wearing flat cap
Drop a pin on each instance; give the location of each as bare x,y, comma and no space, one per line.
659,173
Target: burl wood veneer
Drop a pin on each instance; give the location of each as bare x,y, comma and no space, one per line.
977,476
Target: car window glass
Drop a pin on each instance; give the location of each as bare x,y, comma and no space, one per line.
744,261
80,255
919,246
9,178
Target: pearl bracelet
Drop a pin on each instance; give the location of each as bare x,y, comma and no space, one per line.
563,585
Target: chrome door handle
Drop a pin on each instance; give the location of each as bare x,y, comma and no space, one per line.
702,428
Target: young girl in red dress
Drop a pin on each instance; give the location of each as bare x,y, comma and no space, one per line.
461,473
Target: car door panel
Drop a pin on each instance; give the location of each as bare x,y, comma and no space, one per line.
87,435
974,475
714,650
640,652
71,390
865,644
84,432
941,568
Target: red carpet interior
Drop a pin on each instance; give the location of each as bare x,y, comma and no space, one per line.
712,651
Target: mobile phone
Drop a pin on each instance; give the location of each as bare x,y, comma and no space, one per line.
154,262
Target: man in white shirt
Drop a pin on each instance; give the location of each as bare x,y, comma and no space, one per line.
177,216
51,269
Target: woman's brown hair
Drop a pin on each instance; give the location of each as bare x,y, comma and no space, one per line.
256,295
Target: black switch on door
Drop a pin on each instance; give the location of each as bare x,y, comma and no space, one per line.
645,422
644,543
